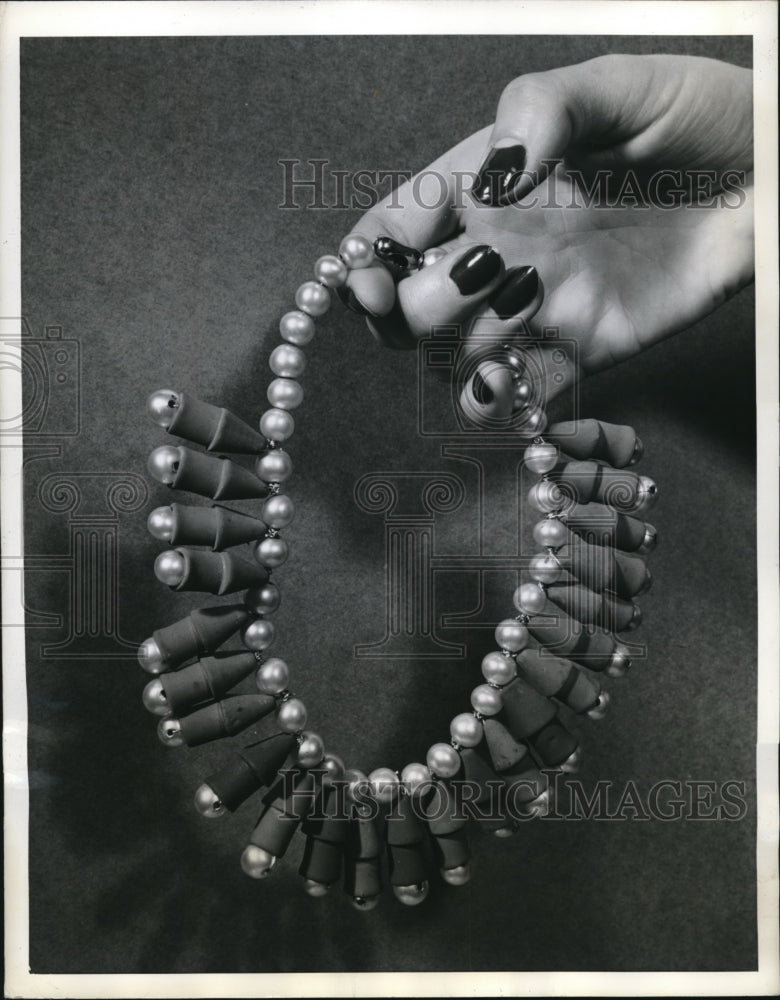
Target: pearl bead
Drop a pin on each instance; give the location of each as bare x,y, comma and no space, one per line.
271,552
498,669
263,600
278,511
310,750
619,662
511,635
573,762
287,361
411,895
541,805
163,464
466,730
649,541
550,533
285,393
414,776
456,876
169,567
529,599
296,328
154,698
274,467
534,420
334,768
277,425
486,700
638,452
291,715
647,493
208,803
331,271
169,732
433,255
312,298
443,760
601,707
503,832
545,568
150,657
636,619
160,523
256,862
273,676
546,496
258,634
384,784
365,902
523,392
540,458
356,251
161,406
357,784
315,889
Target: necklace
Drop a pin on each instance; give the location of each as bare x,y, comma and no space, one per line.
493,767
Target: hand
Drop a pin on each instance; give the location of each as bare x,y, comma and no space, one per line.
615,279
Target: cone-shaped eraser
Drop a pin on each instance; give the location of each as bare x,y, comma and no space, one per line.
451,850
224,718
525,711
214,427
215,477
613,443
249,769
206,680
406,863
287,802
559,678
201,632
403,827
219,572
443,811
504,750
553,744
218,527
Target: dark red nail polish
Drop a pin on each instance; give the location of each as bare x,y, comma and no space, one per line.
476,269
517,291
500,175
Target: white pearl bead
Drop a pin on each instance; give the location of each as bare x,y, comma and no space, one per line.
534,420
285,393
356,251
486,700
315,889
169,732
334,768
256,862
331,271
274,467
273,676
466,729
529,599
313,298
649,541
456,876
169,567
414,776
550,533
297,328
258,634
619,662
601,707
163,464
291,715
498,669
511,635
545,568
150,657
278,511
160,523
540,458
358,786
263,600
154,698
411,895
287,361
365,902
546,496
523,393
161,406
647,494
207,803
384,784
310,750
573,762
271,552
443,760
277,425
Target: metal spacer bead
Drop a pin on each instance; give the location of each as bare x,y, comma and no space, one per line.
285,695
273,488
270,445
259,655
523,618
496,687
455,745
272,533
539,440
478,715
507,653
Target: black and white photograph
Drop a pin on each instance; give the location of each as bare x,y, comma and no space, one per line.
389,511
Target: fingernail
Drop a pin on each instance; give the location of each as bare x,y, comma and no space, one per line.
351,301
476,269
500,175
517,291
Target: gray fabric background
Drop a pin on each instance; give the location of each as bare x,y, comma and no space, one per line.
152,236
